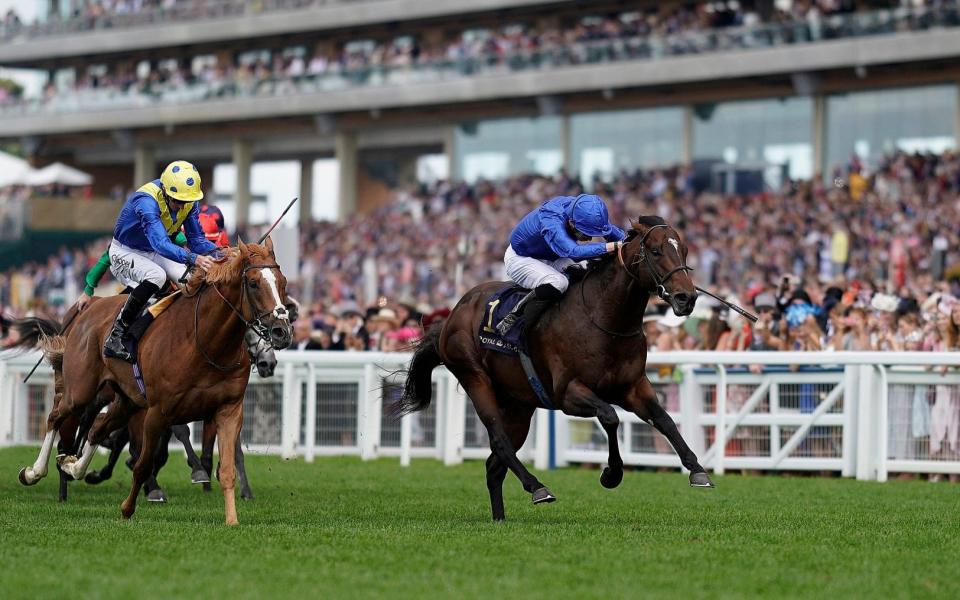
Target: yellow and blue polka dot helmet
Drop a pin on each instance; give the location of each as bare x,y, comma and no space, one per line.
181,181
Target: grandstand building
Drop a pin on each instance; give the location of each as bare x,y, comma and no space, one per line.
378,84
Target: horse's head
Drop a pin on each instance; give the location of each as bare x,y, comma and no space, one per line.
262,354
654,253
265,288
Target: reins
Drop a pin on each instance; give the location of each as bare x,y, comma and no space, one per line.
659,281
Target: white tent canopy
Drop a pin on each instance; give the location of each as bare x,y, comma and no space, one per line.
57,173
12,170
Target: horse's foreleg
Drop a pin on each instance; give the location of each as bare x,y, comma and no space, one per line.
116,442
33,474
153,428
642,399
229,419
496,473
206,456
580,401
117,416
151,488
197,473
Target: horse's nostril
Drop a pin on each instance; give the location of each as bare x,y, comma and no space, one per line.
683,299
277,332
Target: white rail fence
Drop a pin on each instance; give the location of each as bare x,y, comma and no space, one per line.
861,414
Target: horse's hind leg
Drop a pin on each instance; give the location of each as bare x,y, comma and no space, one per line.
517,428
580,401
206,456
245,492
67,444
33,474
484,399
229,419
197,473
642,399
151,488
154,424
117,416
116,442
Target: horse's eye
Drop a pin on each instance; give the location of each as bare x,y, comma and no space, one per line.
656,251
254,285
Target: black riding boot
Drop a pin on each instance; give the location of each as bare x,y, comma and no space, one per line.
136,300
531,307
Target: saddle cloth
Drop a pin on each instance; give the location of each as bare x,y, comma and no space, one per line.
498,306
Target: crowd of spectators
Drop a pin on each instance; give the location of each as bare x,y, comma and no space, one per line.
651,31
869,262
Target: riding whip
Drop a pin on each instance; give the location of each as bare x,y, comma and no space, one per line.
752,317
277,222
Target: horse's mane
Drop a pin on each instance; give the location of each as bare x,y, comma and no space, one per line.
228,270
634,230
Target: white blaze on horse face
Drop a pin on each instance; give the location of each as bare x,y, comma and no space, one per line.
675,244
280,311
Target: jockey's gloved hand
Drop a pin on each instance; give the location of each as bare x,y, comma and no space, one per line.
576,268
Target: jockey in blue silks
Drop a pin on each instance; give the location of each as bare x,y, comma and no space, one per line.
142,253
549,240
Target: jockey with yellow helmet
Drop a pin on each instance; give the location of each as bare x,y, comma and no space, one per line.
142,254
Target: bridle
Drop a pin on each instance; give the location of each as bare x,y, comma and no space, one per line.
256,324
658,280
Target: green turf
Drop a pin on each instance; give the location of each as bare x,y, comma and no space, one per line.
343,528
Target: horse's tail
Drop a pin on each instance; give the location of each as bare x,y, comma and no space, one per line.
43,334
418,387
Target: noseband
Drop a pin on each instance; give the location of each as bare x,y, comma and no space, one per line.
643,256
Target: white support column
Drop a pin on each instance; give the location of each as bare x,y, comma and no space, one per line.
306,191
243,161
310,428
686,143
290,422
820,134
345,149
144,165
450,151
566,146
371,412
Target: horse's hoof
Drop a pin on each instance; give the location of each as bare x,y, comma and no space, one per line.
206,487
156,496
126,512
199,476
701,480
246,495
93,478
610,478
543,496
28,478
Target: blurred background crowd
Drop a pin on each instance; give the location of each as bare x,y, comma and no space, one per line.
868,261
650,31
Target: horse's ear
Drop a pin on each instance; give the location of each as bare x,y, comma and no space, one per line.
269,245
244,250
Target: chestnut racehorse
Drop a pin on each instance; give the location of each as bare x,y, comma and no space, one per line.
192,360
588,351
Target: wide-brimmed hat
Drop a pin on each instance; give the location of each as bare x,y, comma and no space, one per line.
386,315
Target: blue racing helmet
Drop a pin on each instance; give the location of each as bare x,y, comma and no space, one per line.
589,216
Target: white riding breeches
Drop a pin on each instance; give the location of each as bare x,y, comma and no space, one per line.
132,267
532,272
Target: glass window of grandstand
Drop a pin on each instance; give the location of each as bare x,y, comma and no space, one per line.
749,146
605,143
873,124
498,149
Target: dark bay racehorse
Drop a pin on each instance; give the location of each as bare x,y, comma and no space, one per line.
589,351
191,366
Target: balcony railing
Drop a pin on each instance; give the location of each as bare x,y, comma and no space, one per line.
149,94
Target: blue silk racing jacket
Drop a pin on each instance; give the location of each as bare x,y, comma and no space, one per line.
146,223
542,234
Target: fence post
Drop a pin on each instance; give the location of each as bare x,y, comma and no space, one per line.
454,427
290,413
371,400
851,383
6,406
866,424
720,431
691,406
406,426
883,416
541,452
310,427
